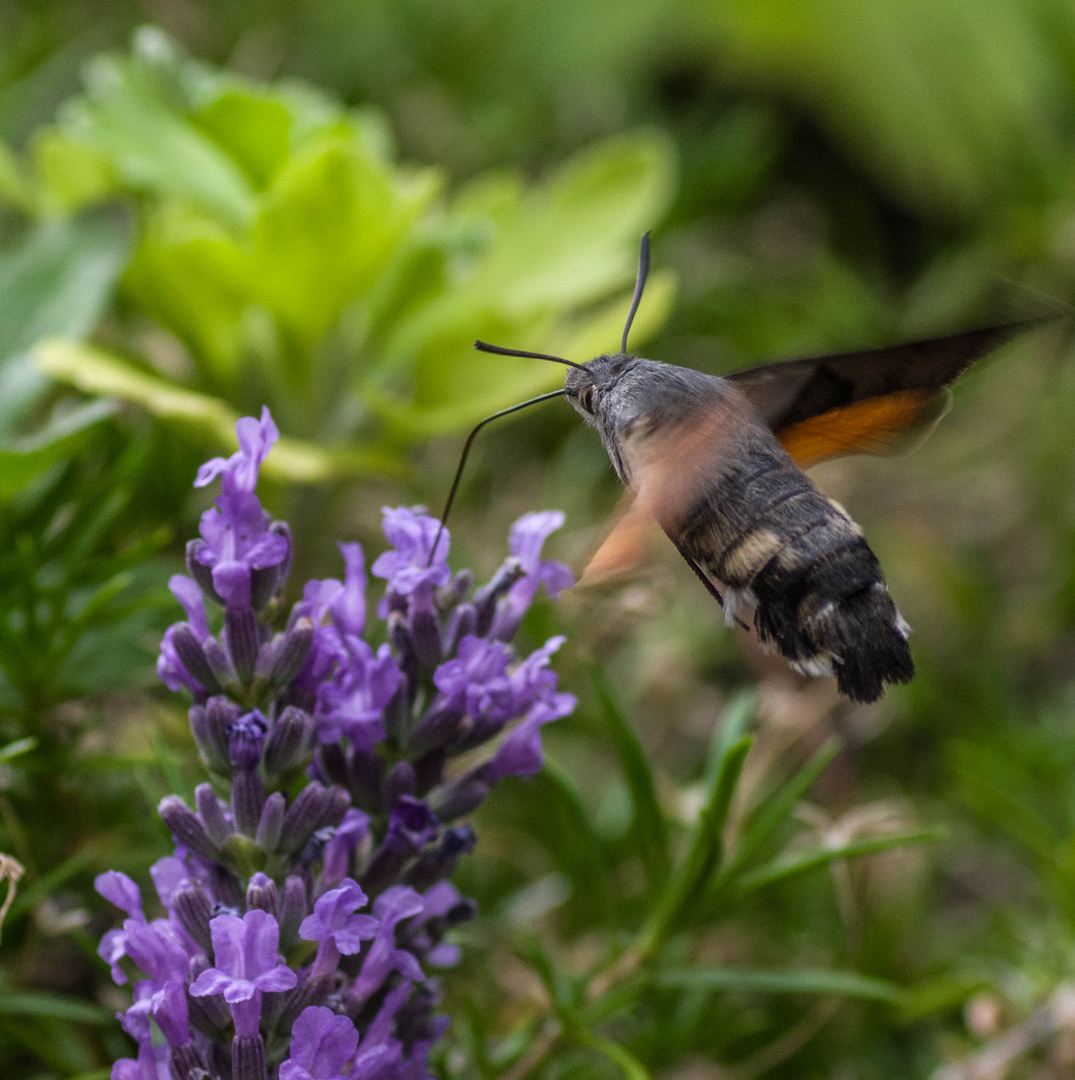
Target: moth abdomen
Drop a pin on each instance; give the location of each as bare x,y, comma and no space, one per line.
798,559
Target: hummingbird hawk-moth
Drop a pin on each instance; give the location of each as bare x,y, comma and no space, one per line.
718,463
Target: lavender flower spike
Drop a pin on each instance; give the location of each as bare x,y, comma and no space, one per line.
271,859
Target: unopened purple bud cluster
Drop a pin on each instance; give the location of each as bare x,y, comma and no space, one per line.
308,896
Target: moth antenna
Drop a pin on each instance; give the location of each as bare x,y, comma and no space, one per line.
466,452
483,346
640,284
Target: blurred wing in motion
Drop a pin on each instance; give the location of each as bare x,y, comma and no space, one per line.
672,470
872,402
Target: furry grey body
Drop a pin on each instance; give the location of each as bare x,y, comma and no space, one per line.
749,516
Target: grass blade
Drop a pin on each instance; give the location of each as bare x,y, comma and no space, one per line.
776,808
806,981
632,1068
648,822
784,868
55,1006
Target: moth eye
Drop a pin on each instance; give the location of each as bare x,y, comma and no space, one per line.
586,399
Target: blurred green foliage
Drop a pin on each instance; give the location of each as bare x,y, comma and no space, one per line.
194,238
294,264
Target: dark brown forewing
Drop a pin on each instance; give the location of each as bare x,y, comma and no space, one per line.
791,392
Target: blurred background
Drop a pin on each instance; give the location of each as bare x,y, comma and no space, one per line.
207,206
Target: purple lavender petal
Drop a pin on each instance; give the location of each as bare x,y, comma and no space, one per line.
256,439
247,958
349,834
334,917
112,950
525,541
520,753
171,670
168,874
322,1043
117,888
169,1007
351,703
188,593
476,681
349,606
157,948
411,532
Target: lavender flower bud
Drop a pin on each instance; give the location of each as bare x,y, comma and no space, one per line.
192,655
395,713
486,597
365,769
185,1063
248,1058
213,753
193,910
463,621
201,573
225,887
333,763
429,770
241,635
291,652
303,817
262,586
283,570
455,591
399,638
461,797
262,893
338,805
399,781
220,715
247,801
217,657
208,1014
425,632
186,827
439,727
211,811
272,821
289,740
438,863
292,911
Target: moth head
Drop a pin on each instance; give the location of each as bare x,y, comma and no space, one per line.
587,385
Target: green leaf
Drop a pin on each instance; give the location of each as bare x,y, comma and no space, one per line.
842,983
54,1006
14,189
784,868
27,458
648,821
96,372
704,851
128,118
776,808
17,748
55,282
573,843
632,1068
